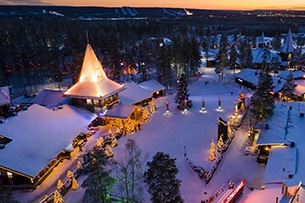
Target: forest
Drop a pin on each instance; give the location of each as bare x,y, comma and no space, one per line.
36,51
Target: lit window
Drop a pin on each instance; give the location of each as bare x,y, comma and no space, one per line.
9,175
89,102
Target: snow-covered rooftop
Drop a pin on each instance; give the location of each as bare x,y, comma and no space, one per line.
288,46
152,86
120,111
38,135
285,126
258,55
281,164
299,89
93,82
252,76
133,93
5,95
49,98
297,74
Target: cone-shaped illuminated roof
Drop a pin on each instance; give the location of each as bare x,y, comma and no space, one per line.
93,82
288,44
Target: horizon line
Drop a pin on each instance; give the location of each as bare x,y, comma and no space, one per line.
294,8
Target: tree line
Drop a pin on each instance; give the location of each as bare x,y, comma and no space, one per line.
35,51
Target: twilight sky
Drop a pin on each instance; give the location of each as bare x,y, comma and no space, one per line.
195,4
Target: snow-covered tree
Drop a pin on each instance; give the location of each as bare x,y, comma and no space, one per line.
274,65
245,56
222,55
288,87
195,57
182,94
262,101
163,63
233,57
163,185
99,181
276,41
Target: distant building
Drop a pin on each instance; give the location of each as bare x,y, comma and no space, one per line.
5,101
287,49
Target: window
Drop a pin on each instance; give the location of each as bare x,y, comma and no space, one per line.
9,175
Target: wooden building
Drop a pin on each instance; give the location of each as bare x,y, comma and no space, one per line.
94,90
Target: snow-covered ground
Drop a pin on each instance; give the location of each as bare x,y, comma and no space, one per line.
194,132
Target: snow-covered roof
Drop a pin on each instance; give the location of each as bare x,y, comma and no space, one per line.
300,196
152,86
5,95
49,98
38,135
133,93
299,89
261,39
119,111
93,82
257,54
275,134
288,44
286,126
251,76
297,74
281,163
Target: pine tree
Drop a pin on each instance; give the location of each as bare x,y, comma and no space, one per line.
222,55
233,57
163,64
182,94
288,87
98,182
161,179
249,57
276,42
262,101
195,55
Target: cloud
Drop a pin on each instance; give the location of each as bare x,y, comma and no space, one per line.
23,2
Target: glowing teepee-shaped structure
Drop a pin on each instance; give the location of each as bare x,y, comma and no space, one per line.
93,82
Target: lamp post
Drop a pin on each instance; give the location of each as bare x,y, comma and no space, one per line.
202,106
185,111
167,112
219,103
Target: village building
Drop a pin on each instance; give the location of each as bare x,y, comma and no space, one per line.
94,90
153,87
262,54
249,78
299,81
34,140
280,145
5,102
134,94
287,49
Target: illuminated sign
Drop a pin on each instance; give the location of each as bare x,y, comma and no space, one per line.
238,190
